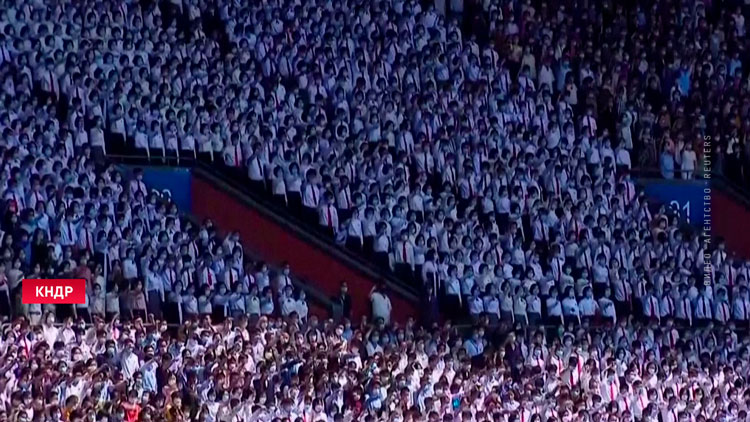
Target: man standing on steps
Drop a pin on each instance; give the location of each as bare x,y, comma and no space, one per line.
343,301
381,304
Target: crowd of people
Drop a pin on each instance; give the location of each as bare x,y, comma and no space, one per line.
493,175
320,370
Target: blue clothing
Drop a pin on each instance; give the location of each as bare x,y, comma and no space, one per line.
735,67
666,164
149,377
683,81
473,347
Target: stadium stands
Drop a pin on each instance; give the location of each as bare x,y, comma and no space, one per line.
494,179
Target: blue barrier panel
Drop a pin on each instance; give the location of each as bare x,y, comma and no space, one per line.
174,181
685,196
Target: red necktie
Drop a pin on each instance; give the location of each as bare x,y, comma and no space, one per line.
70,230
612,391
88,245
210,279
330,218
315,195
403,254
236,156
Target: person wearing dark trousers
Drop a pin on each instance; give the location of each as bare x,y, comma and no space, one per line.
354,238
97,140
256,170
154,290
453,304
403,257
49,84
293,185
369,231
116,135
344,202
140,141
328,218
344,301
311,197
382,247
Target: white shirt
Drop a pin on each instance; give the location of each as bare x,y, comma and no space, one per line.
69,234
129,269
740,309
570,307
311,197
703,308
381,306
651,307
588,307
233,155
344,199
96,137
255,169
404,253
329,217
554,307
130,365
607,307
623,158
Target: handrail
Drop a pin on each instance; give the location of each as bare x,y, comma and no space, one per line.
277,214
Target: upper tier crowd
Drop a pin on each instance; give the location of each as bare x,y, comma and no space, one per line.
474,172
493,175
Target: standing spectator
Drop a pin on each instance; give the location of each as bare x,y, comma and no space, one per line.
344,301
666,164
381,304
